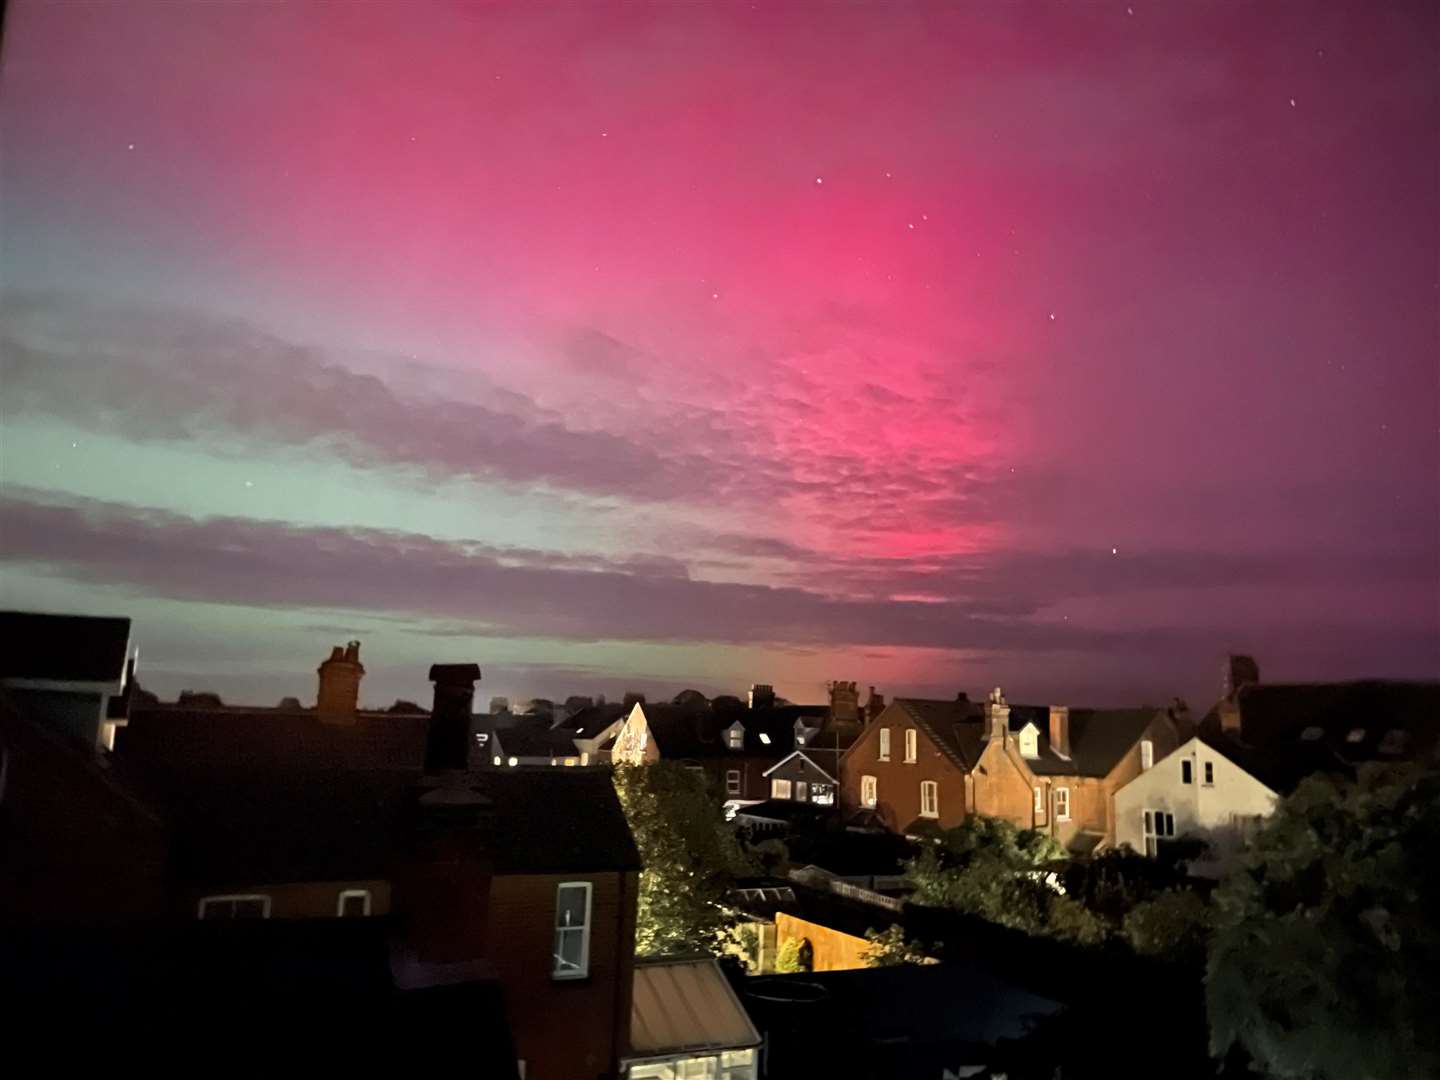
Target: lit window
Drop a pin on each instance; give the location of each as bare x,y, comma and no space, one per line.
1356,735
929,799
765,738
732,781
572,930
353,903
249,906
1157,825
884,744
911,745
1147,753
569,761
1062,804
869,791
780,789
802,791
1029,742
1209,774
734,737
822,794
514,761
584,757
499,760
1040,800
1187,770
800,740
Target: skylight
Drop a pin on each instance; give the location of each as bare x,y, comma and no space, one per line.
765,738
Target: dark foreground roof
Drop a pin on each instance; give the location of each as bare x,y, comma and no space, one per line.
64,648
236,827
272,986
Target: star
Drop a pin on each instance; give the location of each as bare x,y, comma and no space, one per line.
130,147
1114,551
1052,316
819,179
1129,11
911,225
249,483
604,134
887,176
1292,103
714,296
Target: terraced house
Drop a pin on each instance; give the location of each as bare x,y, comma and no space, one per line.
933,763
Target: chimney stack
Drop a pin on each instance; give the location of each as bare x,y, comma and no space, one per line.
997,717
762,696
875,706
1240,672
844,702
340,677
1060,730
447,746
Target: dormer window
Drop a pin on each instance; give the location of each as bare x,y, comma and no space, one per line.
735,736
1029,742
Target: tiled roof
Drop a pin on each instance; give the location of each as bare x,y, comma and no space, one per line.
528,740
63,648
236,827
689,734
1099,738
957,727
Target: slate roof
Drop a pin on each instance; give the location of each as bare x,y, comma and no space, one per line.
687,734
1099,738
63,648
595,719
237,827
1290,731
528,740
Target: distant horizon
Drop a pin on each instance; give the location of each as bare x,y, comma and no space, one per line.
1066,347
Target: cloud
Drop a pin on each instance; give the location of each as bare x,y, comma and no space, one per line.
521,592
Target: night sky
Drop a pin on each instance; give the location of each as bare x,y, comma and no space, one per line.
1062,346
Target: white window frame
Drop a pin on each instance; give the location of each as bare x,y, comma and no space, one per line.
1040,800
912,746
346,894
1147,754
932,810
1156,825
780,788
735,737
230,898
825,797
869,791
883,753
584,969
1062,798
732,782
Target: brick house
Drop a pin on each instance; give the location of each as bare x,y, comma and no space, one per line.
1055,768
521,877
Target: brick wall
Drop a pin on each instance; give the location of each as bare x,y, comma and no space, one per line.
294,900
564,1029
898,782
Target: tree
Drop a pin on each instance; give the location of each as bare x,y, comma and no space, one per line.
690,857
1325,959
1172,926
791,959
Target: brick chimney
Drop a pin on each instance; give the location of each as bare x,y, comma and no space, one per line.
447,745
997,717
874,706
1060,730
340,677
762,696
844,702
1240,672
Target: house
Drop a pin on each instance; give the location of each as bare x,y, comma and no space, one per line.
799,778
526,877
74,670
686,1021
1255,747
592,729
926,763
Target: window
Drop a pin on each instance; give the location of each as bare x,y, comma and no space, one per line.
572,930
1356,735
1029,742
780,789
732,781
1147,754
764,738
911,741
1209,774
1062,804
734,737
353,903
929,799
1040,801
802,791
822,794
249,906
868,791
884,744
1187,770
1157,825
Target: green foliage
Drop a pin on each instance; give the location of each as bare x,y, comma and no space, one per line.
1324,962
991,868
888,948
1114,881
1172,926
787,959
690,857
